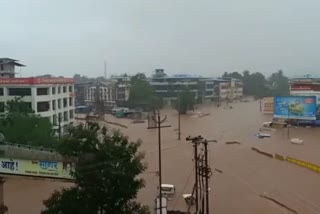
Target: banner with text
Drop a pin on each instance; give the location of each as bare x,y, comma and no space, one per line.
41,168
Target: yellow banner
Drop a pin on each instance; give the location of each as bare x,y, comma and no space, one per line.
39,168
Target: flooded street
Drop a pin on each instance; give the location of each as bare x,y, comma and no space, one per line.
245,174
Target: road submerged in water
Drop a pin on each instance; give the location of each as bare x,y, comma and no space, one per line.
245,175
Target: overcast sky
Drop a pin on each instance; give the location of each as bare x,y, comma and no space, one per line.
206,37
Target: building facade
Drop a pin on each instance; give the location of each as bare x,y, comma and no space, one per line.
52,98
228,88
168,87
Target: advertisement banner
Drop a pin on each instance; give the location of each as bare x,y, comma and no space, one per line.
267,105
296,107
42,168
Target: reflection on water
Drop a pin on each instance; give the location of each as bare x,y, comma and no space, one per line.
245,176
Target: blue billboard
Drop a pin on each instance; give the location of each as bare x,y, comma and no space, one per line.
295,107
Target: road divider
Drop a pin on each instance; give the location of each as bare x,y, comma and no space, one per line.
279,157
262,152
304,164
295,161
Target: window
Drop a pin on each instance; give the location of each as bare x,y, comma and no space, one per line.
19,91
1,67
70,88
53,105
64,89
59,104
71,114
65,116
53,90
42,91
43,106
1,106
65,102
209,86
59,90
1,92
54,119
70,101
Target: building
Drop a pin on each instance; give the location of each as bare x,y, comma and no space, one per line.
7,67
305,86
228,88
52,98
168,87
106,95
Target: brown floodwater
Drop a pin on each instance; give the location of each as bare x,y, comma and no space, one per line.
245,174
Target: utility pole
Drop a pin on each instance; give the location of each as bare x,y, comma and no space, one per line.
205,143
202,174
159,121
179,122
288,129
59,124
196,141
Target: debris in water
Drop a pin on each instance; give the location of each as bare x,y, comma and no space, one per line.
296,141
218,170
279,203
233,142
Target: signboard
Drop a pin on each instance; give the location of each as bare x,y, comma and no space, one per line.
267,105
35,81
304,87
41,168
296,107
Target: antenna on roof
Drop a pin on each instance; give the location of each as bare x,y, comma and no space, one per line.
105,70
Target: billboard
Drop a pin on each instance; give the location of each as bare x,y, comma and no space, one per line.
41,168
295,107
267,105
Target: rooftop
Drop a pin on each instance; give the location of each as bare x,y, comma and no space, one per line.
35,81
10,61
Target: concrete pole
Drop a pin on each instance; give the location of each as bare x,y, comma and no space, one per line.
3,208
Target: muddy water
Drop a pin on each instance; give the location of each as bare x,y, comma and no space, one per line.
245,174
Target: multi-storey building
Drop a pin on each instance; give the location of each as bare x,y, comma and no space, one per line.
52,98
228,88
168,87
106,95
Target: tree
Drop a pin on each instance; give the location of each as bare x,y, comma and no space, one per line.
279,84
106,176
142,93
185,102
234,75
20,125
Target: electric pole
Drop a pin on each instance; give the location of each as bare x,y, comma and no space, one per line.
159,121
202,174
196,141
179,123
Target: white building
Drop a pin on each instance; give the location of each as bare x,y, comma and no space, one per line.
228,89
53,98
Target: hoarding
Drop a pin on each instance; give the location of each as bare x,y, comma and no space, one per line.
267,105
295,107
41,168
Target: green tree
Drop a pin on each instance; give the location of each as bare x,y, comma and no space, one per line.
106,176
279,84
234,75
142,93
20,125
185,102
